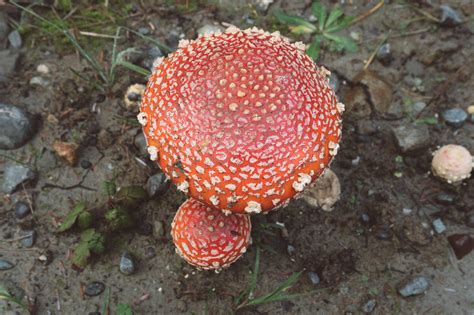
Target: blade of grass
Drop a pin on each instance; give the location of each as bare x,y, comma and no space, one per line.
160,45
294,20
105,305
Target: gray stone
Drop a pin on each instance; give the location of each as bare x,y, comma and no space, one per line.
39,81
14,175
314,278
151,55
94,288
411,138
209,29
14,38
141,145
22,209
384,54
4,30
334,82
5,265
127,264
17,126
439,226
369,306
159,228
29,238
455,117
157,184
445,198
290,249
449,17
144,30
8,63
414,286
417,107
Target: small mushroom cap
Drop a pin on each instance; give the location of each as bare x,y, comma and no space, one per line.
453,163
241,120
207,238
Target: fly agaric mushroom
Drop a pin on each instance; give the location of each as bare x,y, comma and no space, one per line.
241,120
207,238
453,163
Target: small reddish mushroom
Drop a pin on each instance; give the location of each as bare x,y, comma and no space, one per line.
241,120
207,238
452,163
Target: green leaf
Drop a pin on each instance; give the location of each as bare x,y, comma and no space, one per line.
294,20
319,11
315,47
81,255
427,121
134,192
301,29
109,187
340,24
91,242
84,220
71,217
118,219
124,309
333,16
342,42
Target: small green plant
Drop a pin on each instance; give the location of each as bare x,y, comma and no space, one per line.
246,297
323,30
105,74
113,216
6,296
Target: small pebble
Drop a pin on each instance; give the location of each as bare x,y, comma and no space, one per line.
470,219
30,238
209,29
127,264
291,250
144,31
449,17
14,39
39,81
42,68
383,233
384,54
159,228
445,199
365,218
439,226
85,164
414,286
94,288
334,82
455,117
314,278
462,244
369,306
407,211
5,265
46,257
22,209
157,184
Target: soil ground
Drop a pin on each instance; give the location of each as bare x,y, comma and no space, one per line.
356,260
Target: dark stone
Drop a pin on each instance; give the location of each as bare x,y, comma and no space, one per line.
412,138
140,144
445,199
127,264
462,244
383,232
145,228
369,306
157,184
29,238
8,63
132,96
5,265
22,209
413,286
384,54
85,164
455,117
470,219
17,126
94,288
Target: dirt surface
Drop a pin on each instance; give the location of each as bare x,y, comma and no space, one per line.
363,250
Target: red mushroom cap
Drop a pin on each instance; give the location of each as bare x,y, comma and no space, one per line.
241,120
207,238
